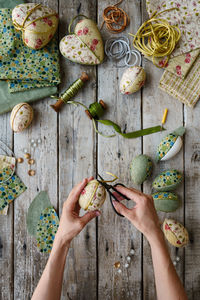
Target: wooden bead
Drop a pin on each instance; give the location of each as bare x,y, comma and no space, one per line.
31,172
27,155
31,161
20,160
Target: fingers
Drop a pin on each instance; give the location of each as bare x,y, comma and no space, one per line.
122,209
132,194
75,193
89,216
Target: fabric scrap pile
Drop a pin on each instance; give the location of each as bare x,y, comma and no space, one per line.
27,74
181,76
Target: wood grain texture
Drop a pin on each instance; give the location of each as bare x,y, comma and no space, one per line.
6,226
70,151
116,235
77,160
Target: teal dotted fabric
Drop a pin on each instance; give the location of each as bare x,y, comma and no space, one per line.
46,229
165,145
10,190
25,68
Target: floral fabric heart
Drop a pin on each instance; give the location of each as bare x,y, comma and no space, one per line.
85,45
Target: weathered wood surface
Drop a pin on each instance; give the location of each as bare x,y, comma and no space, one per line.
71,150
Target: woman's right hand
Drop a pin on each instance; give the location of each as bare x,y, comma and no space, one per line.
143,215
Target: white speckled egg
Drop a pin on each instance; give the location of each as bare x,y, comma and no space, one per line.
21,117
132,80
92,196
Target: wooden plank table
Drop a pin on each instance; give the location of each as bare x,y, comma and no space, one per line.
70,151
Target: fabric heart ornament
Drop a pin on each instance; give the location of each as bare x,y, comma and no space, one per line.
85,45
38,24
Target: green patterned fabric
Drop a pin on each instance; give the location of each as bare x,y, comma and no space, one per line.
46,229
166,201
167,181
10,190
40,202
165,145
24,67
10,3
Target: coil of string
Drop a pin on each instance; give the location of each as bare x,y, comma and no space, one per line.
157,38
118,49
115,18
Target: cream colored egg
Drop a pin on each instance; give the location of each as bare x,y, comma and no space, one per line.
175,233
132,80
21,117
92,196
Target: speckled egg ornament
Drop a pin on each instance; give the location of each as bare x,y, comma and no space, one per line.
166,201
167,181
84,45
175,233
37,23
132,80
21,117
92,196
170,145
141,168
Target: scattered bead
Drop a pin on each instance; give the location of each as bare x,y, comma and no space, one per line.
20,160
126,266
39,141
117,264
128,258
34,145
132,252
27,155
25,150
32,141
31,161
177,258
31,172
174,263
119,271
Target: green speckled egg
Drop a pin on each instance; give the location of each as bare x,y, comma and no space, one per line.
166,201
167,181
141,168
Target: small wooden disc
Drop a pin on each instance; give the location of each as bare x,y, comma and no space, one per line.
31,172
88,114
31,161
20,160
27,155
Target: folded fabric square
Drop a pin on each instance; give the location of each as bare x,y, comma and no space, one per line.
25,68
10,190
186,14
186,90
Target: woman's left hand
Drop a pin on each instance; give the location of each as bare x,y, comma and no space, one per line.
70,222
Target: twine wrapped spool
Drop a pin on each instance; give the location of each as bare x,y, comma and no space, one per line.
96,110
70,92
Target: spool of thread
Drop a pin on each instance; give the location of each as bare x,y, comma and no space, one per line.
70,92
96,110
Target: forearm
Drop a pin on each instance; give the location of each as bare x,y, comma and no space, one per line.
50,284
168,284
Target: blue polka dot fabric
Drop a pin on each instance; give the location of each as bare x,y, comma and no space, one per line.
25,68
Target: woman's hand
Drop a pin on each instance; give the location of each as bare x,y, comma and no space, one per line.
71,223
143,215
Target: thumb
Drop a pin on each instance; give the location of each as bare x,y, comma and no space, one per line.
90,215
122,209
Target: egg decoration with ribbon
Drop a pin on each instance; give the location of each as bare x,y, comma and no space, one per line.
167,181
175,233
132,80
85,44
141,168
21,117
166,201
92,196
38,24
170,145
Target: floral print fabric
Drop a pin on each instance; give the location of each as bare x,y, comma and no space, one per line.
25,68
39,27
186,16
